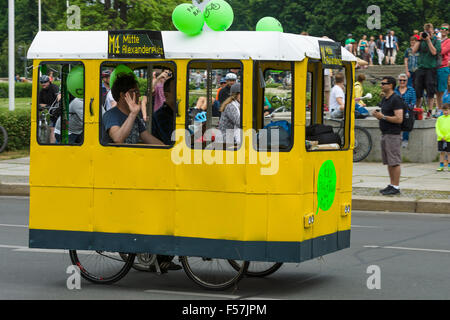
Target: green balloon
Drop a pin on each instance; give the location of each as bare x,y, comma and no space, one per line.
326,185
188,19
269,24
218,15
121,68
75,81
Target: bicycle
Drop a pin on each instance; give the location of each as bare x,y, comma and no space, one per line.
363,140
45,114
103,267
3,139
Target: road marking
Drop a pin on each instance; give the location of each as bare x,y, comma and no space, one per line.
411,249
14,225
186,293
369,227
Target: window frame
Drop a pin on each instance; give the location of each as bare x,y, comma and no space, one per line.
59,62
186,121
125,145
255,103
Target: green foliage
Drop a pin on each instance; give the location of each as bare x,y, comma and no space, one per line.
375,90
17,125
22,89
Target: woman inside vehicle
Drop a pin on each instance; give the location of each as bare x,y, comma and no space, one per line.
230,119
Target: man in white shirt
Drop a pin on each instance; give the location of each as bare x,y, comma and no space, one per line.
337,97
389,46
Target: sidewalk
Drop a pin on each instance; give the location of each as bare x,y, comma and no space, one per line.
423,189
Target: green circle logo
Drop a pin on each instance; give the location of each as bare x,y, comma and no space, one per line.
326,185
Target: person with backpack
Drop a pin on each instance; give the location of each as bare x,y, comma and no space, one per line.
443,70
390,116
408,94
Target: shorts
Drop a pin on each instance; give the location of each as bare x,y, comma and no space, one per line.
391,146
425,79
442,76
443,146
389,52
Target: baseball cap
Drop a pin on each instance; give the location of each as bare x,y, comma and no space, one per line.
223,80
106,73
231,76
44,79
235,88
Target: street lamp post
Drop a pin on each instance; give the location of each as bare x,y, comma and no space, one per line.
11,62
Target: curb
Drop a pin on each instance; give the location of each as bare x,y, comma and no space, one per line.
401,204
363,203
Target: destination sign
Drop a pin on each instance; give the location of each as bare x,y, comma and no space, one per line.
330,53
135,44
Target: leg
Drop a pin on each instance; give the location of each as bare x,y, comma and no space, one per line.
394,174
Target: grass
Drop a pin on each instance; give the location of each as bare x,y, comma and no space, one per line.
8,155
20,103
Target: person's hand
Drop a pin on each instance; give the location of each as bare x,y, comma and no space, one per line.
377,114
408,74
131,101
58,97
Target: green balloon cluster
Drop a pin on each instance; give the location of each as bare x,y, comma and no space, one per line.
121,68
218,15
326,185
188,19
75,82
269,24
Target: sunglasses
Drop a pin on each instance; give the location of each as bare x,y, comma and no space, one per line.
402,80
384,83
444,29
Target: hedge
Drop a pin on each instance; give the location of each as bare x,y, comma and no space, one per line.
22,89
18,126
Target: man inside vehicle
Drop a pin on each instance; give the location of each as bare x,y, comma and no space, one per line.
122,124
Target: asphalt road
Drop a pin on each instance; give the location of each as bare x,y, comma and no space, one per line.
409,252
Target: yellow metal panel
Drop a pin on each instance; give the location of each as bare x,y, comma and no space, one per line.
61,208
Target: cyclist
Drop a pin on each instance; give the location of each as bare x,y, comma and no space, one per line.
48,95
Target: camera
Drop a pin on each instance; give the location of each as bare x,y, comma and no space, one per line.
424,35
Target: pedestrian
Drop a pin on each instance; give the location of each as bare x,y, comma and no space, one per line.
372,48
396,48
408,94
390,117
380,49
362,45
443,137
410,60
426,76
443,70
389,48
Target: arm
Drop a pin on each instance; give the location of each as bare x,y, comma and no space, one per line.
433,50
341,103
150,139
396,118
119,133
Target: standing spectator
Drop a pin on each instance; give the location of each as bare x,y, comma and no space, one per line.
389,48
443,137
425,77
350,44
446,96
362,45
411,61
391,117
372,48
396,48
408,94
443,70
380,49
366,57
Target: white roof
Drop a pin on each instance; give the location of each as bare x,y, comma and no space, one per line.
241,45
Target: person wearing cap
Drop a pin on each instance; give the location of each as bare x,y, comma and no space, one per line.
391,118
48,94
230,120
108,101
225,91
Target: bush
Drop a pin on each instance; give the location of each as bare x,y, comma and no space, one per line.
22,89
376,94
18,126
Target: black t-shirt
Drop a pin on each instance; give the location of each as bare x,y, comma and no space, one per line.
224,94
48,96
388,106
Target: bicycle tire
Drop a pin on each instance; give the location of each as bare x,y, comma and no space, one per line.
363,144
266,268
3,139
98,277
200,270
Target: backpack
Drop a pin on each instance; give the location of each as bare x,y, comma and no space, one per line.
408,118
283,129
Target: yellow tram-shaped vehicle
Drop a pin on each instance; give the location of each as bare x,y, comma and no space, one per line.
180,198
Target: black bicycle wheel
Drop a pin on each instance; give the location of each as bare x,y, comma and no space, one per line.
363,144
3,139
259,268
213,274
102,267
